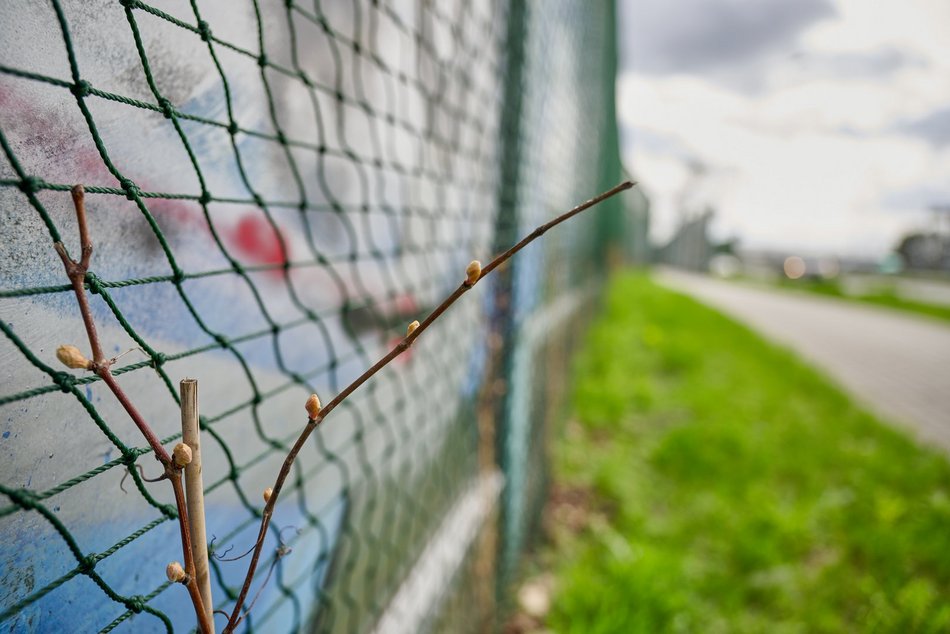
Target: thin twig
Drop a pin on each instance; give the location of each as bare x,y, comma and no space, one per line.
260,591
413,334
128,472
76,271
223,556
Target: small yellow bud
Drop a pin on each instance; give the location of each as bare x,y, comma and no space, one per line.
71,357
175,573
412,327
267,493
472,272
313,406
181,454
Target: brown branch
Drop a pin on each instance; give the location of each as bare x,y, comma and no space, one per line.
473,274
161,454
76,271
281,552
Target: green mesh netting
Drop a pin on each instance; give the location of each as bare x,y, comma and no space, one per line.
275,189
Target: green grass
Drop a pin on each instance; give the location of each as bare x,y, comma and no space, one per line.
886,297
730,488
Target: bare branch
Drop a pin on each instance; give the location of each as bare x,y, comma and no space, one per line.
85,244
76,271
316,415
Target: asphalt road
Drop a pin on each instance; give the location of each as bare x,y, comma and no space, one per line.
897,364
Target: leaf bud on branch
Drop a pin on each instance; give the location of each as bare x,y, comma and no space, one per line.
181,454
313,406
175,573
472,272
71,357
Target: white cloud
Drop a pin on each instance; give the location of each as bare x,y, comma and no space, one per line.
814,158
919,26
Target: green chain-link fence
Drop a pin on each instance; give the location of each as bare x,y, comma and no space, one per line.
275,190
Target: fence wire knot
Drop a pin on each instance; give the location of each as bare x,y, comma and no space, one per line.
135,603
204,30
88,563
94,282
168,111
131,189
65,381
81,88
30,184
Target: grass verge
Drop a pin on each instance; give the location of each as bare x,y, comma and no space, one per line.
885,296
710,481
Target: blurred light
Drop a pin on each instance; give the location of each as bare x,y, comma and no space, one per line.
794,267
725,265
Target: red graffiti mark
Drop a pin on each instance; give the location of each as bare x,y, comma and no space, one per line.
406,305
254,239
258,241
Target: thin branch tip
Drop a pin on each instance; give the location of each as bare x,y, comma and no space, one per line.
473,273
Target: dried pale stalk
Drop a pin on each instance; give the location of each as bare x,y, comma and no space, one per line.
194,492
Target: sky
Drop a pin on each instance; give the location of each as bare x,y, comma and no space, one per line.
820,127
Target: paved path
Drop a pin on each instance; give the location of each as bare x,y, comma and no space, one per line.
897,364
